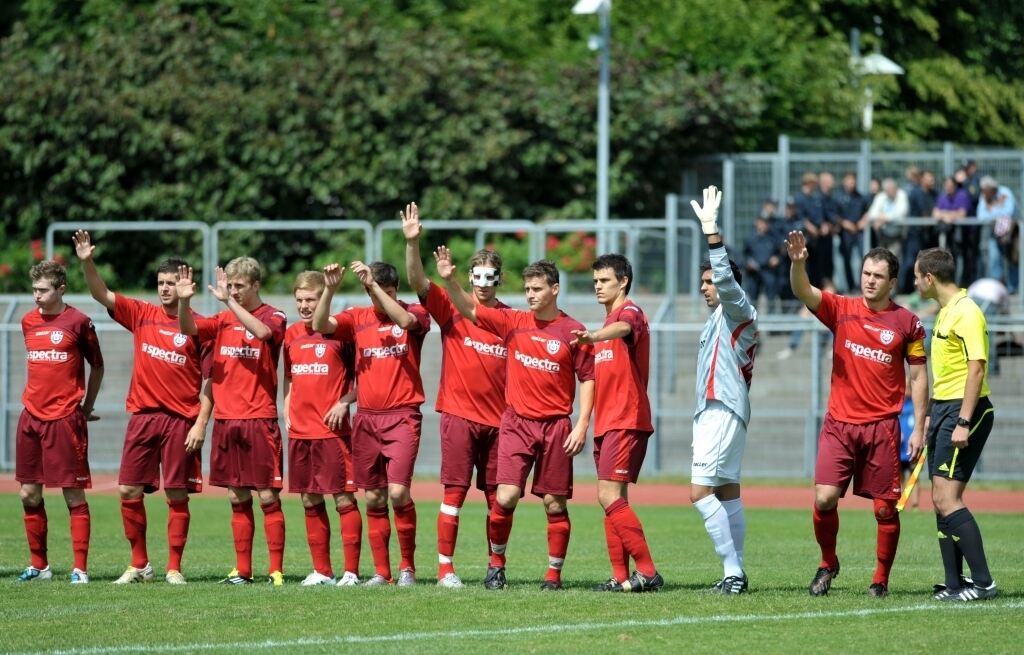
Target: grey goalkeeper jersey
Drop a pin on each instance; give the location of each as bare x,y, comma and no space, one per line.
725,361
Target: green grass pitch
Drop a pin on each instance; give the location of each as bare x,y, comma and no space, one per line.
777,616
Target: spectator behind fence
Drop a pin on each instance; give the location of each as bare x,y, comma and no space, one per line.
919,237
853,208
810,209
889,205
993,299
789,222
761,258
969,236
951,206
998,206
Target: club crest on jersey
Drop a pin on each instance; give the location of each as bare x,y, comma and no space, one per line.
396,331
56,336
320,349
887,336
553,345
249,335
180,340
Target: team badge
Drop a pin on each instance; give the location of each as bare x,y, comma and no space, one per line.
320,349
56,336
180,340
249,336
396,331
887,336
553,346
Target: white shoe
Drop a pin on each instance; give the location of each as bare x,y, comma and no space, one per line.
377,580
450,581
78,576
133,575
316,578
32,574
350,579
406,578
174,577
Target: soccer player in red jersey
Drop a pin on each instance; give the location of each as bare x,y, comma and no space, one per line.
318,390
52,444
540,386
471,394
388,338
860,437
169,413
622,421
246,451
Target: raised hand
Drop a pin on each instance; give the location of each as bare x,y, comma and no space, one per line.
220,290
708,214
796,246
333,275
411,226
83,245
443,258
362,272
185,286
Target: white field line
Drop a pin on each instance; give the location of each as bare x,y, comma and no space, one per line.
341,640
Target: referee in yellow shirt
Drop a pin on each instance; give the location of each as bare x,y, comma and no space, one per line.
959,423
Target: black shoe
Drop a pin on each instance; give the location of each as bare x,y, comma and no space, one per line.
495,578
822,581
717,586
973,592
878,590
611,585
733,585
638,582
551,585
940,591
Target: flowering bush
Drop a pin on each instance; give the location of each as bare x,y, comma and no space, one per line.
573,253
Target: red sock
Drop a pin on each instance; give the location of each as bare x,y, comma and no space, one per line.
133,516
888,537
616,550
826,529
405,525
178,518
379,528
448,528
36,531
631,533
273,528
351,535
81,526
558,544
499,527
243,526
491,495
318,534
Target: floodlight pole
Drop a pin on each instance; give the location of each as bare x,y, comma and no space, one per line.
603,115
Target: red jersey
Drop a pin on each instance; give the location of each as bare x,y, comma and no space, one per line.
244,368
472,364
167,367
620,372
320,371
868,377
540,378
387,357
56,348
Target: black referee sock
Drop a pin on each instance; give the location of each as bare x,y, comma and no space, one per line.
952,563
965,530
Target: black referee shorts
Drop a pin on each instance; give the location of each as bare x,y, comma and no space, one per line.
943,459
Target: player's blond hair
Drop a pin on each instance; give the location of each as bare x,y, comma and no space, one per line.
246,267
310,280
51,271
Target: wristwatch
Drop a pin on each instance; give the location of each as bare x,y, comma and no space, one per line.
962,422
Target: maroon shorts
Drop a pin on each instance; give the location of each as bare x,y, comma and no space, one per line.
320,466
868,453
155,439
619,454
53,453
385,445
246,453
539,444
467,445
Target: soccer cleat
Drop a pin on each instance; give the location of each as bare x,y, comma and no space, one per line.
378,580
133,575
733,585
878,590
276,579
350,579
406,578
973,593
32,574
941,591
822,581
174,577
78,576
235,578
317,578
495,578
611,585
551,585
638,582
717,586
450,581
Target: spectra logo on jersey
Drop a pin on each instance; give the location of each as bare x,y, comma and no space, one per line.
168,356
492,349
240,352
47,356
604,356
380,352
537,363
317,368
871,354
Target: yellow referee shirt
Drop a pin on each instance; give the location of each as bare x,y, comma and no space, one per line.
960,334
